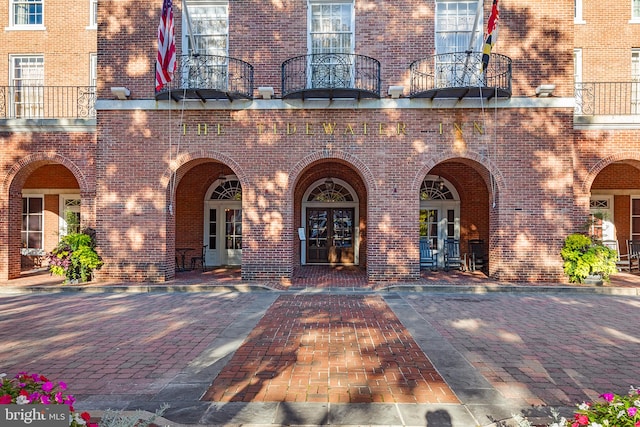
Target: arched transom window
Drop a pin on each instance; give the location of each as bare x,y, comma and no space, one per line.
435,190
330,192
228,190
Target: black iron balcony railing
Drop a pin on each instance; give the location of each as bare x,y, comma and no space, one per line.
607,98
47,102
331,75
206,77
459,75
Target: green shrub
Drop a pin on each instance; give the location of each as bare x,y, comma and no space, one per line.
74,258
582,257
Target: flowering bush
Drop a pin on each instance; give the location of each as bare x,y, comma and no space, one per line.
28,388
75,257
614,410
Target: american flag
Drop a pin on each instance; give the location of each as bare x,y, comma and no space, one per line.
166,62
492,35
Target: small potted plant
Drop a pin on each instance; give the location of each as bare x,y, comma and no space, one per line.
586,260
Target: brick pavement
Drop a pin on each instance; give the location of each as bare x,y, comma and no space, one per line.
330,348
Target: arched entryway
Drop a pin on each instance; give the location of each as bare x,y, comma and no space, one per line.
330,214
223,222
330,233
439,214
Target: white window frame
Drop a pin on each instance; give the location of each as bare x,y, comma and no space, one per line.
93,69
470,18
577,12
635,11
25,227
26,99
341,74
64,198
12,16
635,81
577,65
186,42
93,15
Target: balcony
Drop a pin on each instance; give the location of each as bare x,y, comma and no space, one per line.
47,102
206,77
331,76
607,98
459,75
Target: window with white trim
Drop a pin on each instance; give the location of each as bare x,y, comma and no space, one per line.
208,21
32,225
635,10
93,13
455,24
331,42
93,69
206,41
635,81
577,12
25,13
577,65
27,81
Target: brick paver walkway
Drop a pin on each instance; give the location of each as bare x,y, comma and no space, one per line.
330,348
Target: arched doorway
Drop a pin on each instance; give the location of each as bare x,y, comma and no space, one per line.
439,214
223,222
330,216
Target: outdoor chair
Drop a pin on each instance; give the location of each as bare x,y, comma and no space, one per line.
633,252
452,258
622,262
427,255
200,259
476,258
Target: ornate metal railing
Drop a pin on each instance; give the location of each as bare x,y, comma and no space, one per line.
607,98
460,74
47,102
210,76
331,75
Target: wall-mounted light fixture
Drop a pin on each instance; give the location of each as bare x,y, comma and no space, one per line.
396,91
544,91
121,92
266,92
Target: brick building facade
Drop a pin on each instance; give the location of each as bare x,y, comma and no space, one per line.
278,177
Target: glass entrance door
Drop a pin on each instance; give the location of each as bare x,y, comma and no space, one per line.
330,236
233,235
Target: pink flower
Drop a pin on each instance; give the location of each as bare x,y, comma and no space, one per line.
608,397
582,420
63,385
637,424
45,399
5,400
48,386
58,397
632,411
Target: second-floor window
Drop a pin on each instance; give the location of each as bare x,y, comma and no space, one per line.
331,43
27,81
455,26
205,44
635,81
635,9
93,13
26,12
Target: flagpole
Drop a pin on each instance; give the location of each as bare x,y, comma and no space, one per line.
472,39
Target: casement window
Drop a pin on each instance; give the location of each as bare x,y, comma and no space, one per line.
331,43
93,13
635,10
27,81
26,13
33,225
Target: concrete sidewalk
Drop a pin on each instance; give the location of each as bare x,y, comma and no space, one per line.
447,356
